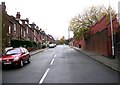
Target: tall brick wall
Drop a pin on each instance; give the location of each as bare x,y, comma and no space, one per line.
99,40
99,43
118,44
100,37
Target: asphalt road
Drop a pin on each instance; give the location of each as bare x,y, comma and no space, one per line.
61,64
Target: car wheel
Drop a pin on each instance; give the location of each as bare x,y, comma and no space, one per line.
21,63
29,59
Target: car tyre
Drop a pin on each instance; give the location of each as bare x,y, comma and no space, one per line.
29,60
21,63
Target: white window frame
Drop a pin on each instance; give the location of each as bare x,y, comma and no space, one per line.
14,27
27,30
24,34
20,22
26,22
9,29
34,32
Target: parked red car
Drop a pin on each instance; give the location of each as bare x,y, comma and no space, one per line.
16,57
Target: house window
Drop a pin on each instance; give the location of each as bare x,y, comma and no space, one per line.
27,30
34,32
24,33
20,22
25,22
9,29
21,31
14,27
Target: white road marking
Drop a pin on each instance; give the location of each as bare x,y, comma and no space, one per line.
45,74
42,79
52,61
55,55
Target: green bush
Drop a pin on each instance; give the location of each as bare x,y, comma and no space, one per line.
18,43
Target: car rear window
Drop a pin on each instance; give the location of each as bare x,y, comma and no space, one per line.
13,51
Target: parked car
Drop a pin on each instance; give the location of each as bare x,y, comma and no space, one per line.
8,48
52,45
55,45
43,45
16,57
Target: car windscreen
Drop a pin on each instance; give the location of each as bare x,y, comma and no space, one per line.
13,51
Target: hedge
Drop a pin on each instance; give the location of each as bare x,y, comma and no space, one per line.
18,43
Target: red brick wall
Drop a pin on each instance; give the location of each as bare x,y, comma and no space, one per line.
99,43
82,43
75,42
78,43
100,40
118,44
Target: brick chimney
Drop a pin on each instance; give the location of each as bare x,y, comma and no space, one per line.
27,20
3,7
33,25
23,22
18,15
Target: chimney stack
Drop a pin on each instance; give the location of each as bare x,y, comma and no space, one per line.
3,7
18,15
27,20
33,25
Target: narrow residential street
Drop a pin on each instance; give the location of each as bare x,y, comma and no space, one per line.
61,64
66,42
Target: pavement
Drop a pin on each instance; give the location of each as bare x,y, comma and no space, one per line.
36,51
111,63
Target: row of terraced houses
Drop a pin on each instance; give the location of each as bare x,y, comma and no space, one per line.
15,29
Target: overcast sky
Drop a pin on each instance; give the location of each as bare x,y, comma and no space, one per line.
53,16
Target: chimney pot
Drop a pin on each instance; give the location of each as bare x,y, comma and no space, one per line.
27,20
18,15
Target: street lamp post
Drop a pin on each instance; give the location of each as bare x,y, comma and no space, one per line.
112,35
46,41
68,35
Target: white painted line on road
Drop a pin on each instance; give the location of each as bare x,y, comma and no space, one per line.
52,61
42,79
45,74
55,55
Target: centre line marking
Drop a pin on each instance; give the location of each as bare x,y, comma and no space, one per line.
52,61
55,55
42,79
45,74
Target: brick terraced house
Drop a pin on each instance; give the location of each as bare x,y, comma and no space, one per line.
15,29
